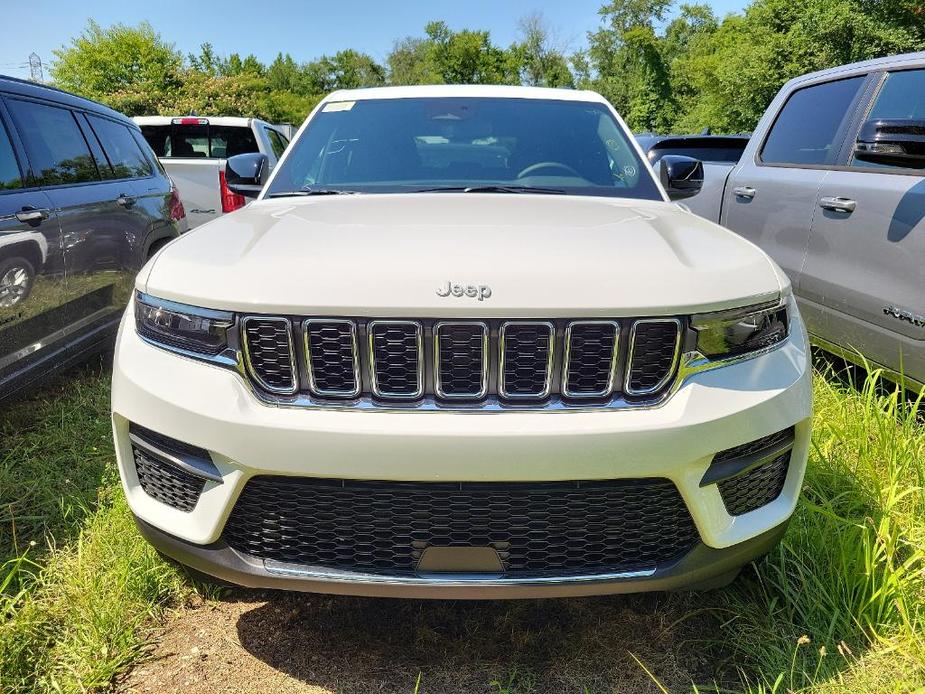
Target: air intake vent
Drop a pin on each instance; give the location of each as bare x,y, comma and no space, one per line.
653,355
526,359
461,360
757,487
590,359
333,362
396,359
269,354
552,528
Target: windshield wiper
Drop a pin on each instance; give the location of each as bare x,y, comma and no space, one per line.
312,191
492,189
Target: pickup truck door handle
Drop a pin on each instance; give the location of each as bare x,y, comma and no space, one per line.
746,192
32,215
125,200
838,204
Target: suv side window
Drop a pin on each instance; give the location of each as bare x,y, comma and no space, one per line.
805,130
10,176
277,142
901,96
55,145
126,158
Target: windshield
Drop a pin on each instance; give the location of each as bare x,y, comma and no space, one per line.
498,144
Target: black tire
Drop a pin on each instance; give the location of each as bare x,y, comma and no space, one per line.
11,265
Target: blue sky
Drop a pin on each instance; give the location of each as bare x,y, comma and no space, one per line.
306,29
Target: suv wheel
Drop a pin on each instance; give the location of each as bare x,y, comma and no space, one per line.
16,278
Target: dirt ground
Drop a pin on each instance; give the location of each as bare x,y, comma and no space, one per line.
248,641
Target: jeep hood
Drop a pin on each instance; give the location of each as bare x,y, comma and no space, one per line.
386,255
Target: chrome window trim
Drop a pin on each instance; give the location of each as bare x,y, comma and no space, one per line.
312,385
613,358
292,360
550,360
629,357
438,389
374,382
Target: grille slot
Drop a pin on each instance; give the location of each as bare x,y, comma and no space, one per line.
166,483
538,529
590,358
396,359
331,358
526,359
269,354
461,360
757,487
653,355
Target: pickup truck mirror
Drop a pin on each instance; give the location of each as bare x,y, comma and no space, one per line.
245,174
892,141
681,177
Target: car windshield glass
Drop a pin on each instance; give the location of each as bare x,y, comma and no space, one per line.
462,144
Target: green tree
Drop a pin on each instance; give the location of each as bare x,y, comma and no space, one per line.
535,59
628,66
129,67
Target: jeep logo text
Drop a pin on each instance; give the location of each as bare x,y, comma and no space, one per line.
480,292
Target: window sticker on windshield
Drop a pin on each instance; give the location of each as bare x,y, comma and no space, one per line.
338,106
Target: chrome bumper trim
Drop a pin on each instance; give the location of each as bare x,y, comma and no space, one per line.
447,581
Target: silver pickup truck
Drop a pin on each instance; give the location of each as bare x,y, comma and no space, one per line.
832,186
193,150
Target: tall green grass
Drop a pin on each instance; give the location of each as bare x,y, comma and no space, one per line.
77,584
841,603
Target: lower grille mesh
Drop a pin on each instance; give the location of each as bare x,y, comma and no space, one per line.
757,487
537,528
167,483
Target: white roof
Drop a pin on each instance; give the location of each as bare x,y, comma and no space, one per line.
469,90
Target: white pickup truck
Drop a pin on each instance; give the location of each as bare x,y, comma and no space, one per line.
193,151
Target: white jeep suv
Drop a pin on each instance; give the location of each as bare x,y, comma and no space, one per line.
462,345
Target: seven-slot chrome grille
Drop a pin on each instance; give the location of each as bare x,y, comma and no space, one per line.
518,362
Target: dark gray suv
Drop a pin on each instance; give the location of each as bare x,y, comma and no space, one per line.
83,204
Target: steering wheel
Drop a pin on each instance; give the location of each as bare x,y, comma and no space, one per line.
539,166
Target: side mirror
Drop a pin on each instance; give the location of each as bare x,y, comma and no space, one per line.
245,174
681,177
892,141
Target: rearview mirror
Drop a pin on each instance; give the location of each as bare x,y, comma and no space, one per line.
245,174
892,141
681,177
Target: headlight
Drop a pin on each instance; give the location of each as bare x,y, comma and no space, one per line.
178,325
732,333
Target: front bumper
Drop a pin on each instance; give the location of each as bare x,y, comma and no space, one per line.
212,408
696,569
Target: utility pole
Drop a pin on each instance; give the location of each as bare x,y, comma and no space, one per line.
36,72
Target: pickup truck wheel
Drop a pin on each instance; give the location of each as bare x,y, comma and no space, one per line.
16,279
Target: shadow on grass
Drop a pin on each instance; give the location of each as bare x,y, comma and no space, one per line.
366,644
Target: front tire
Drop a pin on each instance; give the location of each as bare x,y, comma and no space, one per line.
17,276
